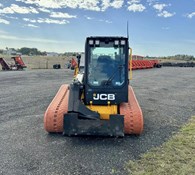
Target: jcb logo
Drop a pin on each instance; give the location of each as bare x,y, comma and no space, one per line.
104,96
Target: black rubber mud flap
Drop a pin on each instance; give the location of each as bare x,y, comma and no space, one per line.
73,125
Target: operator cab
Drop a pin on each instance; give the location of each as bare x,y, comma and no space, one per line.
106,70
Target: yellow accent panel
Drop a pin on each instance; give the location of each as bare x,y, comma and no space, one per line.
104,111
82,96
76,71
130,72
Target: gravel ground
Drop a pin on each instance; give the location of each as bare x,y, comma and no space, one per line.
166,96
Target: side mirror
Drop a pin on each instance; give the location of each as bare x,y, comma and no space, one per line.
78,60
78,56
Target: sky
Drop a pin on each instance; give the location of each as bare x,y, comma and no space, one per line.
156,27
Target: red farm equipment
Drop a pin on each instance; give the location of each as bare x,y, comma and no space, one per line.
138,62
4,64
18,64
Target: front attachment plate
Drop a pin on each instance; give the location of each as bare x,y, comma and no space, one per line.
113,127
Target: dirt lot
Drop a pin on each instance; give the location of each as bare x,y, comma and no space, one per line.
166,96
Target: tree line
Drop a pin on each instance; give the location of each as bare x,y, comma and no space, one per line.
180,57
30,51
175,57
25,51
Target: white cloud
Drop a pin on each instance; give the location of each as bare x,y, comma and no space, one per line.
4,21
89,18
106,21
133,2
136,8
52,21
32,25
30,20
100,20
6,10
8,16
46,20
191,15
115,4
8,37
42,3
44,10
83,4
17,9
88,5
151,2
161,12
61,15
94,5
159,7
11,17
166,14
1,5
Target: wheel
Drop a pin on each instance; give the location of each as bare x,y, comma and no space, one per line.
133,117
54,115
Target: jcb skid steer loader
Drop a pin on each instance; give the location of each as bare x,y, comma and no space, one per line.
100,100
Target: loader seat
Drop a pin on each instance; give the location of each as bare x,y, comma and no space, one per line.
105,64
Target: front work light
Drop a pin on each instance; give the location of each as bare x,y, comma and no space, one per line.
90,42
97,42
116,42
122,42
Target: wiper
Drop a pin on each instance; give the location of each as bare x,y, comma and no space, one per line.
119,68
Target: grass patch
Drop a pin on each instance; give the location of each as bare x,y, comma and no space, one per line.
174,157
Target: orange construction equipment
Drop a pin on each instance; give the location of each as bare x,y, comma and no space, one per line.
100,100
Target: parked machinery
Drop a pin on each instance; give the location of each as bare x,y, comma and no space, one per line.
99,101
18,64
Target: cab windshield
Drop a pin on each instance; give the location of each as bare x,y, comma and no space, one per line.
106,66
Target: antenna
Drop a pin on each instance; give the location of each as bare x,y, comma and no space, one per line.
130,56
128,30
